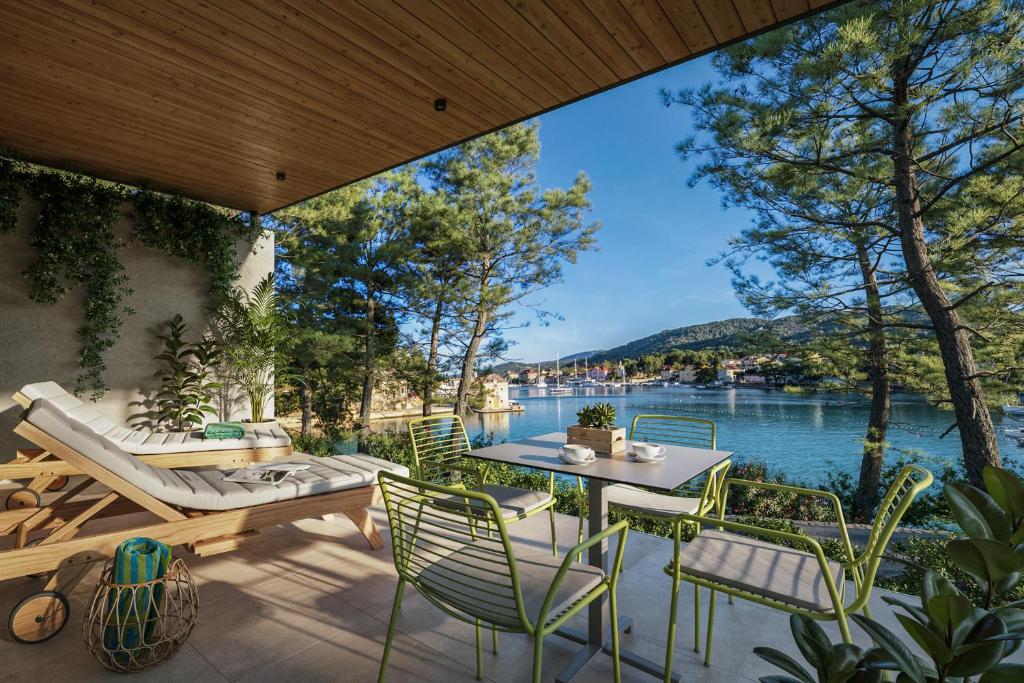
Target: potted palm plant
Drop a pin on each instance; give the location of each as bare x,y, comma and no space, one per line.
596,429
253,327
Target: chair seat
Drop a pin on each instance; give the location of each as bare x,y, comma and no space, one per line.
457,580
772,571
646,502
514,502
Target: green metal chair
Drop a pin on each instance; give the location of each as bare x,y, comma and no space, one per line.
440,446
698,497
793,580
479,578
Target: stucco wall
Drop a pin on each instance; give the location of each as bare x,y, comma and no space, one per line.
38,341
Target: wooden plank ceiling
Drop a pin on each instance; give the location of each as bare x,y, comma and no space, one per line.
212,99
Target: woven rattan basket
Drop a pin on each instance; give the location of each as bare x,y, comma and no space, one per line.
131,627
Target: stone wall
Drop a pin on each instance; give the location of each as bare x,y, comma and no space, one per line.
38,341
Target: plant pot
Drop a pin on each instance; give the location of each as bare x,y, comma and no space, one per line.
265,423
606,441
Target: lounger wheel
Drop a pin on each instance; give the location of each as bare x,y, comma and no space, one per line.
38,617
58,483
23,498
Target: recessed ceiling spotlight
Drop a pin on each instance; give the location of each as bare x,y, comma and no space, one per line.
440,104
280,175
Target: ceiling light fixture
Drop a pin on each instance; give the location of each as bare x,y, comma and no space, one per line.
440,104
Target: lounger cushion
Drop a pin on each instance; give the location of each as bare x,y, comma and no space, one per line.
146,441
205,490
791,576
456,580
646,502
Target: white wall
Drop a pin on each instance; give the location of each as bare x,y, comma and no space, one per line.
38,341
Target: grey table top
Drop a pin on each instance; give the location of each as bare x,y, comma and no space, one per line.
681,464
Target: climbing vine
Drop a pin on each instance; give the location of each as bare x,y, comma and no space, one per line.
10,173
74,233
194,232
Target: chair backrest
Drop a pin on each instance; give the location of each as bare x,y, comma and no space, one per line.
909,483
442,544
676,430
439,443
711,492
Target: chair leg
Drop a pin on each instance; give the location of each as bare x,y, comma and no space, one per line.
696,618
711,629
614,613
479,654
581,496
494,640
538,656
670,642
395,608
731,602
554,534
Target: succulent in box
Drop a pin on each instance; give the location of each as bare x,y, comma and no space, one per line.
597,416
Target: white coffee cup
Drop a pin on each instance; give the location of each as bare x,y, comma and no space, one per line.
647,451
576,453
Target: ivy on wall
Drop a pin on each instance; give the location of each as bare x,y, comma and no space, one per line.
73,231
194,232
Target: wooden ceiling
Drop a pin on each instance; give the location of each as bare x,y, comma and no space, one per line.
211,99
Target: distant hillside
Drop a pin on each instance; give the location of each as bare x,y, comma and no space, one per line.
720,333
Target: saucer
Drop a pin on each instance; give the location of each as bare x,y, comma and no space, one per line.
567,461
635,458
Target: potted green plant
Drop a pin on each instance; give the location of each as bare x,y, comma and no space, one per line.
596,429
253,328
186,378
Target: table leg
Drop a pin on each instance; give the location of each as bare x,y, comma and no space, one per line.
596,638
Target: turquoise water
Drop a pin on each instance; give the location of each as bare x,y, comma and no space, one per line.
804,436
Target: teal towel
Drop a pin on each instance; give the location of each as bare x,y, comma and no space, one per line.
133,619
223,430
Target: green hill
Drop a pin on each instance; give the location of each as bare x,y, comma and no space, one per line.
731,333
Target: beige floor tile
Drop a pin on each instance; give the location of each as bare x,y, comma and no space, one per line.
187,666
266,624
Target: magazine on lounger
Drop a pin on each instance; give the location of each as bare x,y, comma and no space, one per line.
272,473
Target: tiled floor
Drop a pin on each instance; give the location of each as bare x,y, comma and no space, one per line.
309,602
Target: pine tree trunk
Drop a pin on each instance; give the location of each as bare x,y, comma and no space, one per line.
468,360
435,335
977,433
866,497
306,401
369,372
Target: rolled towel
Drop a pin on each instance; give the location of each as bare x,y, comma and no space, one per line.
132,621
223,430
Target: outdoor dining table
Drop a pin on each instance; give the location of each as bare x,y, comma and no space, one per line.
681,464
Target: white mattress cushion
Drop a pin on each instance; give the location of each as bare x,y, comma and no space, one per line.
146,441
205,490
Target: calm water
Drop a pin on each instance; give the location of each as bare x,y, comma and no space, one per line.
805,436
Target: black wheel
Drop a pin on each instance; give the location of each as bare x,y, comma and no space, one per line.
58,483
38,617
23,498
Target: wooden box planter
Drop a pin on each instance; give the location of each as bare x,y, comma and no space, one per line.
607,441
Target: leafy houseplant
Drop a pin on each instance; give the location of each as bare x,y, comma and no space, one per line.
253,328
186,384
596,416
962,640
595,429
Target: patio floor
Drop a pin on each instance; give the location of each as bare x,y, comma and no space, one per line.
309,602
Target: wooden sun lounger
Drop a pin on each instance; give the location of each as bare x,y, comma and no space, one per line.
47,472
49,539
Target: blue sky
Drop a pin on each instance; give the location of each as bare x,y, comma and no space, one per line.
650,273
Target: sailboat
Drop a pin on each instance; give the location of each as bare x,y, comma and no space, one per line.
559,389
541,384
